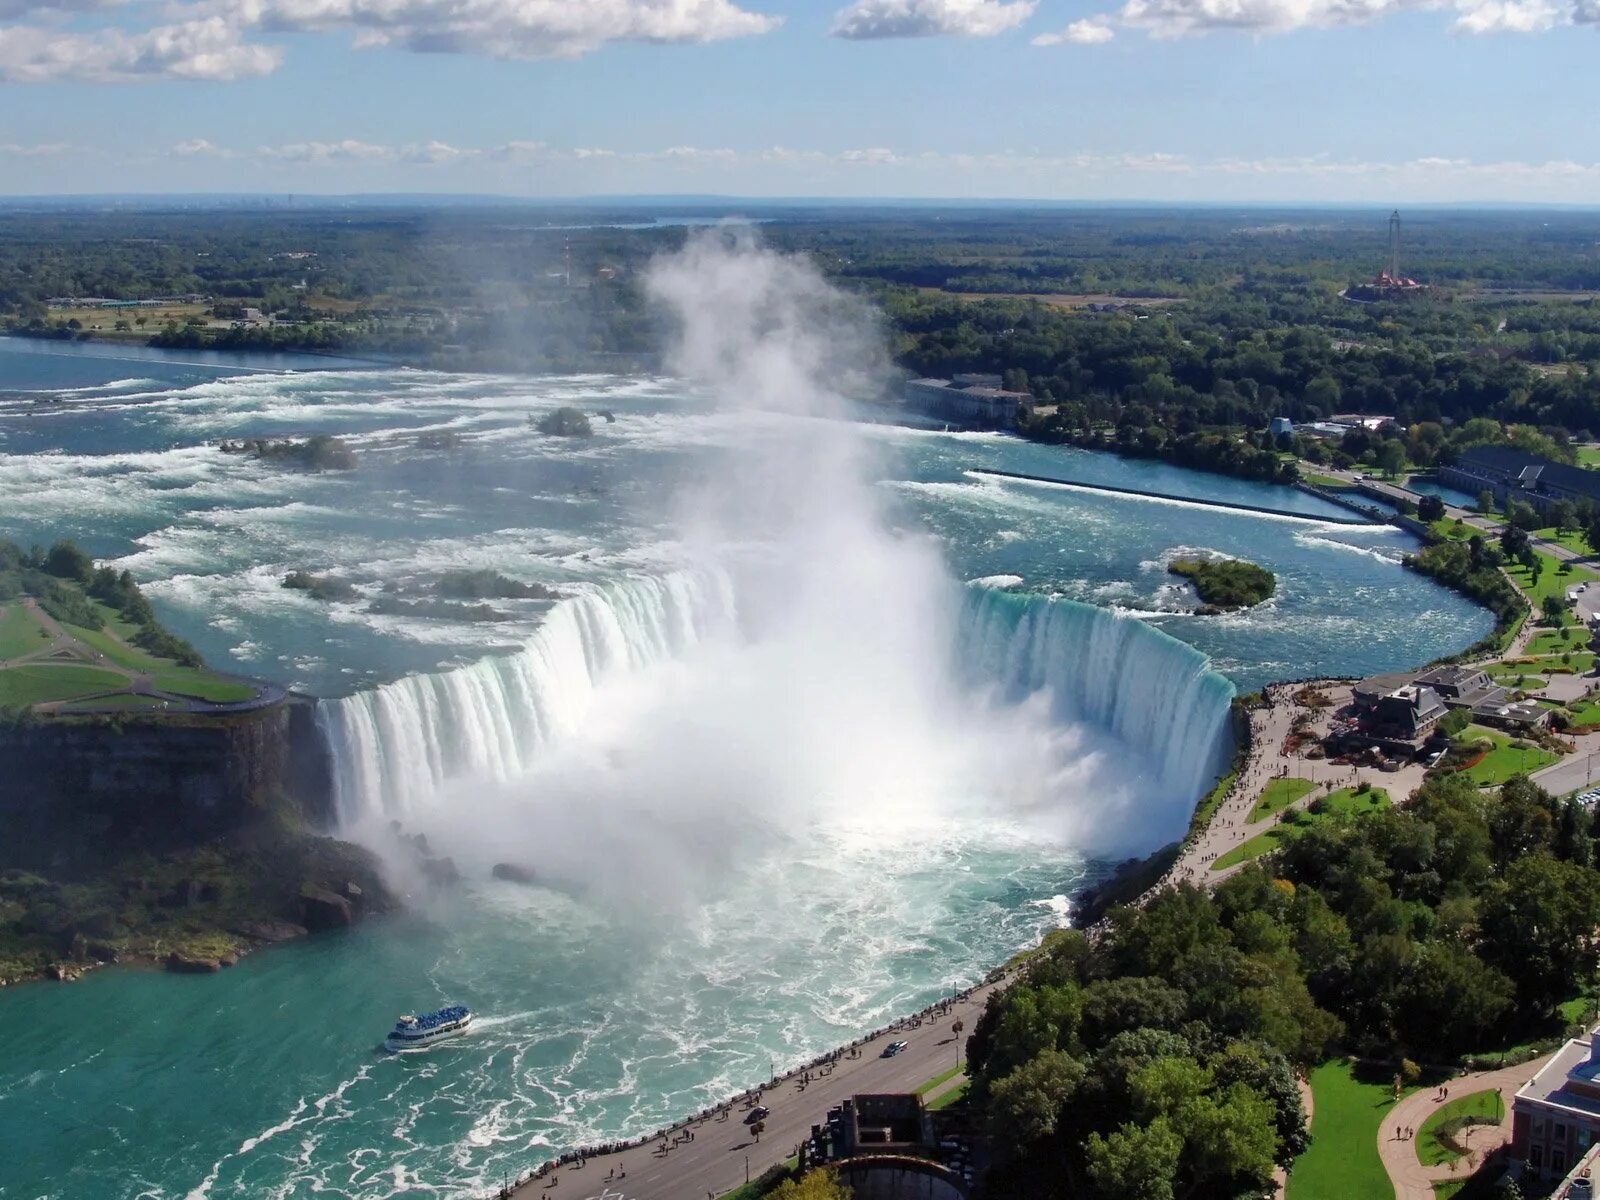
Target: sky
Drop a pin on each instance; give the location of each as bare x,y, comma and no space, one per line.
1368,101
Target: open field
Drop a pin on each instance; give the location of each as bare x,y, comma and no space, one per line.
22,687
1505,759
1342,1161
103,321
20,633
1552,581
1278,795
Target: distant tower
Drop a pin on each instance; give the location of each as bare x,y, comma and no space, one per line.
566,268
1394,246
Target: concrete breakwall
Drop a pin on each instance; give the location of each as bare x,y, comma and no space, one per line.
1263,509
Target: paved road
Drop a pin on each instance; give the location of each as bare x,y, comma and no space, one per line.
716,1160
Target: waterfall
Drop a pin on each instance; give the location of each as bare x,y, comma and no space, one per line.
394,746
1158,695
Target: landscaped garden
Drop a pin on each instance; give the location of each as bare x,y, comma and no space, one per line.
1343,803
1501,757
1279,795
1436,1142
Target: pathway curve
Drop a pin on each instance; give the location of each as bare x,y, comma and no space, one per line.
1412,1180
723,1149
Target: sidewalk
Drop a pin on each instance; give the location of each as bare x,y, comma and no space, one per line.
1412,1180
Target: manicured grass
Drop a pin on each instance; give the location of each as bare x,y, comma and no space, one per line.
1431,1151
123,700
1589,456
35,684
1325,481
1505,760
20,632
200,685
1557,641
1552,580
1344,802
1571,539
1454,529
1342,1162
115,651
1448,1189
938,1079
952,1096
1278,795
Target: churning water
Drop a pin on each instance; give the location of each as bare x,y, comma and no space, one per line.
716,897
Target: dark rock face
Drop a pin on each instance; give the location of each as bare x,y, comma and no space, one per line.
79,791
270,932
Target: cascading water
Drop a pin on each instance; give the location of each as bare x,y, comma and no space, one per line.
1154,693
395,747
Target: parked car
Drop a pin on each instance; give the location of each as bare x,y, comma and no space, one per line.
892,1049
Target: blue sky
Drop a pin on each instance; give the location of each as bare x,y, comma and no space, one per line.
1257,100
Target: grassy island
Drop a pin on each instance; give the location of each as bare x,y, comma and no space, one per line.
1226,584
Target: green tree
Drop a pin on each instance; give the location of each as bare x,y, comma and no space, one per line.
1539,924
822,1184
1025,1106
1135,1162
1430,509
1392,457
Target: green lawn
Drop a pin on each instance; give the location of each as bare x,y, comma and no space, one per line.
20,632
118,652
201,685
1589,456
1504,760
1571,539
1342,1162
122,700
1558,641
1344,802
1454,529
1584,712
1326,481
21,687
1552,581
1431,1151
949,1098
1278,795
938,1079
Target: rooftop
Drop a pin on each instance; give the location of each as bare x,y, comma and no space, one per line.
1571,1064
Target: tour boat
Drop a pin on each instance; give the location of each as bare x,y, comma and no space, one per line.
415,1031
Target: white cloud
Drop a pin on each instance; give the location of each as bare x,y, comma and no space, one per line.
1177,18
200,148
206,49
37,150
350,150
930,18
510,28
1089,32
1510,16
11,10
1182,18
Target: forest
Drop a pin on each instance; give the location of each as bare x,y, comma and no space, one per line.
1157,1060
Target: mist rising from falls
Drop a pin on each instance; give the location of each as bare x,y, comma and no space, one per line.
1025,664
807,669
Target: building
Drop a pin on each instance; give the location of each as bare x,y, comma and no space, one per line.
1279,426
1555,1116
1489,703
1505,471
1392,712
885,1148
1360,421
970,399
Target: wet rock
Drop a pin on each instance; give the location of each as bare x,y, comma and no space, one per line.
64,972
185,964
322,909
270,931
514,873
441,872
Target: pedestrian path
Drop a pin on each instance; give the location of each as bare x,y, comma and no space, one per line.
1414,1181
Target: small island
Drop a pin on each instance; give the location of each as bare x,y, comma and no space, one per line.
565,422
1226,584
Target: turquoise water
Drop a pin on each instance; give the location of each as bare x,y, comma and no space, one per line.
688,939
